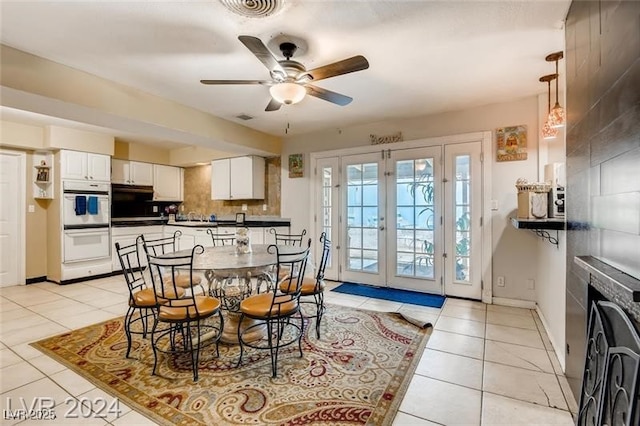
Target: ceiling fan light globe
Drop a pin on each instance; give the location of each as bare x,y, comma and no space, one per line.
287,93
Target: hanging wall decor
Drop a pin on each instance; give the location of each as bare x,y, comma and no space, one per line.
511,143
396,137
296,166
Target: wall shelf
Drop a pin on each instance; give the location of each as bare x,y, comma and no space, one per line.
43,175
541,227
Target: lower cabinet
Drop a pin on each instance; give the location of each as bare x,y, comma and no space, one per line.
190,237
270,238
127,235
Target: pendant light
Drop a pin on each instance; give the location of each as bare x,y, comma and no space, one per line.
548,132
557,116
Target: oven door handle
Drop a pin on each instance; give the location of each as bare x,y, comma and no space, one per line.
86,226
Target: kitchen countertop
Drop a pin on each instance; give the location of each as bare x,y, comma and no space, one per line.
250,222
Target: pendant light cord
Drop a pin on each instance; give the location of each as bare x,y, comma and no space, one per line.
548,97
557,75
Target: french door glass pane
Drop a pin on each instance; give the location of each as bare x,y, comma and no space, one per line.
362,217
327,192
415,218
463,218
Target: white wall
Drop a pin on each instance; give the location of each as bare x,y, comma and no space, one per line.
551,282
515,252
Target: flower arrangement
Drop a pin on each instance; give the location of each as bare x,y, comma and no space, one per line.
243,243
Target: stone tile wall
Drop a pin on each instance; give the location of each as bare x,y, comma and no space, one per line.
197,193
603,153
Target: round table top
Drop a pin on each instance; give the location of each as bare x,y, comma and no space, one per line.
225,257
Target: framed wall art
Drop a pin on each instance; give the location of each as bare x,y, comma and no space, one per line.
511,143
296,165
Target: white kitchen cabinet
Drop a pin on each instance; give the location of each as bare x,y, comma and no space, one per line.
239,178
168,183
127,235
131,172
190,237
199,235
85,166
257,235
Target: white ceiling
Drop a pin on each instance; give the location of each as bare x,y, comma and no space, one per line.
425,56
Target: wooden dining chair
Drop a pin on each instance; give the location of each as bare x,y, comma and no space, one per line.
221,239
276,309
313,288
181,318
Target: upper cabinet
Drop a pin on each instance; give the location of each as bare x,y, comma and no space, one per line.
131,172
168,183
85,166
239,178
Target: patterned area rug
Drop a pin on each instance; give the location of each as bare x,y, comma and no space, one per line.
357,373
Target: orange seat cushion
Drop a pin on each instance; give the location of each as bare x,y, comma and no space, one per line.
183,281
260,305
308,286
205,306
146,299
143,299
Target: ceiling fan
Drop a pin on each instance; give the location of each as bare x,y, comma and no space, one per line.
290,80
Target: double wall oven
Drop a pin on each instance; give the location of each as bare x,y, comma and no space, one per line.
85,221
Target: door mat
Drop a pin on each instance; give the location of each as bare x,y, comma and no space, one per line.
395,295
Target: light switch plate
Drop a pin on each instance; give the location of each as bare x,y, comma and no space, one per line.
494,205
244,207
264,207
32,208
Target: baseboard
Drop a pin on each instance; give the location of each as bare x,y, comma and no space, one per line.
514,303
561,359
92,277
35,280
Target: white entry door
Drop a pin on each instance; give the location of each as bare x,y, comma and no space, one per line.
363,201
414,209
406,218
11,240
327,215
463,220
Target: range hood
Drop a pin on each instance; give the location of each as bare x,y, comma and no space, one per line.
134,189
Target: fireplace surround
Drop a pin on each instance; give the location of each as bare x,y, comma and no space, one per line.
610,393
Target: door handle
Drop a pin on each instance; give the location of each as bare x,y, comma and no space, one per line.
382,228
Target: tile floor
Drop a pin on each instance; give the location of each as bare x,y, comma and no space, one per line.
483,365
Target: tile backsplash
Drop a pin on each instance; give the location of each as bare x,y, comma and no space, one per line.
197,193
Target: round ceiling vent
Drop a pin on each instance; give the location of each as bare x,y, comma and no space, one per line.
253,8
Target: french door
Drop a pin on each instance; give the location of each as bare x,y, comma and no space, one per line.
407,218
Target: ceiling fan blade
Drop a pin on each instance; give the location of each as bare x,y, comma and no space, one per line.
273,105
235,81
328,95
356,63
257,47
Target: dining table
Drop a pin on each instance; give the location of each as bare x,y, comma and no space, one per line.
233,276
